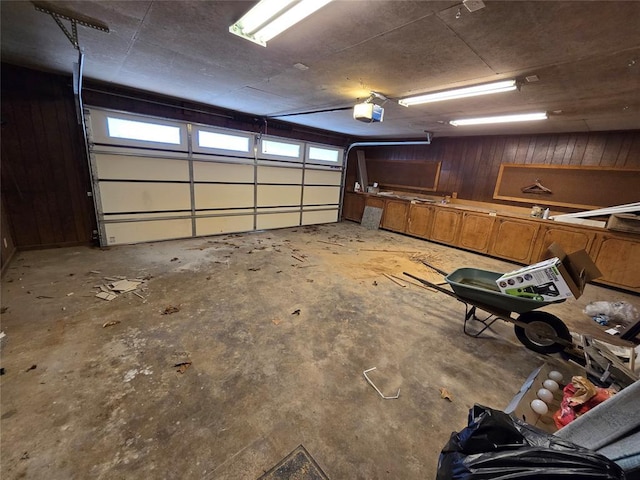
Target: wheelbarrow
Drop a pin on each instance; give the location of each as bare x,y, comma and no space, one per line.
541,332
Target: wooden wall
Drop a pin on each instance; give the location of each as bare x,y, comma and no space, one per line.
7,247
45,176
470,165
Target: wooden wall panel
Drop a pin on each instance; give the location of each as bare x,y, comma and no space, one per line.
45,174
7,247
470,165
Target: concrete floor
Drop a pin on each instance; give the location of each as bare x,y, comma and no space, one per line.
109,403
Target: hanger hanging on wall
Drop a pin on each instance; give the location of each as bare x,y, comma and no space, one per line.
536,187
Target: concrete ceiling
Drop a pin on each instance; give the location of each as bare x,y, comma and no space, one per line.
585,54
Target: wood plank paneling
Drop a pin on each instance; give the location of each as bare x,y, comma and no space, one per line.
470,165
45,174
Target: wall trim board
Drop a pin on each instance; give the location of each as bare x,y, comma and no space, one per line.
571,186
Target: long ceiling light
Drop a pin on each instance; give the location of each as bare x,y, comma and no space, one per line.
523,117
272,17
484,89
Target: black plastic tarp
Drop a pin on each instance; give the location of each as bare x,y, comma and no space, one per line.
495,446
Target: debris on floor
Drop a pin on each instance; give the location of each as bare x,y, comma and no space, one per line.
397,395
174,259
2,371
390,277
119,285
124,286
276,321
4,309
110,324
332,243
444,393
254,269
106,296
296,312
32,367
375,284
170,309
182,366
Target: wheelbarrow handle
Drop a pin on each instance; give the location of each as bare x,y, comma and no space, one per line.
433,285
441,272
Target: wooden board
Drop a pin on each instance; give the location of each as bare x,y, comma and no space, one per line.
578,187
412,175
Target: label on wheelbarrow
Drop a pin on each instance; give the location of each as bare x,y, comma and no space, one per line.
541,281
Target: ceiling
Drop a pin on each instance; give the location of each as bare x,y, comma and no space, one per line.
586,56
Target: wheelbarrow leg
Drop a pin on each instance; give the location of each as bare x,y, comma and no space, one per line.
470,314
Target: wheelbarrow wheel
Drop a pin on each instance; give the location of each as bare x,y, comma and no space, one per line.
541,332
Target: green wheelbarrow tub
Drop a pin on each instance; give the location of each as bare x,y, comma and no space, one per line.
479,286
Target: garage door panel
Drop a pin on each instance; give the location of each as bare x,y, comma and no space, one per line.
144,197
223,196
277,220
136,232
322,177
278,195
124,167
279,175
321,195
222,172
216,225
320,216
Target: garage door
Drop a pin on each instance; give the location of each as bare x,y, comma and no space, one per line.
158,179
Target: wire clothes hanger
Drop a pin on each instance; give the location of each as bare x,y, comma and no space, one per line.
536,187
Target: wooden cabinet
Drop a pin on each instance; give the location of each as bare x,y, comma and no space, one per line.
521,240
513,239
618,258
353,206
569,238
419,220
371,201
395,215
445,225
475,231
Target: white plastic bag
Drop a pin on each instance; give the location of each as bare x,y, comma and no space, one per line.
621,311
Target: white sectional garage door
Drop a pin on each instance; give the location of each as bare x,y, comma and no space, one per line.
158,179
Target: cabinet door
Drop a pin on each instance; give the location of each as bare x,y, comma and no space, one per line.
513,239
619,261
570,239
419,222
353,206
395,215
475,231
445,225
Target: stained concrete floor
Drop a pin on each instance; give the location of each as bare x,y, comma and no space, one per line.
109,402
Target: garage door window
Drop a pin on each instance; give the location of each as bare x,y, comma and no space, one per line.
147,132
223,141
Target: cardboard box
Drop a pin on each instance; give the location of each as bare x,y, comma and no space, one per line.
558,277
541,281
520,405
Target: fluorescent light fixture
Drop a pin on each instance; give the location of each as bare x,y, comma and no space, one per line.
272,17
522,117
484,89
